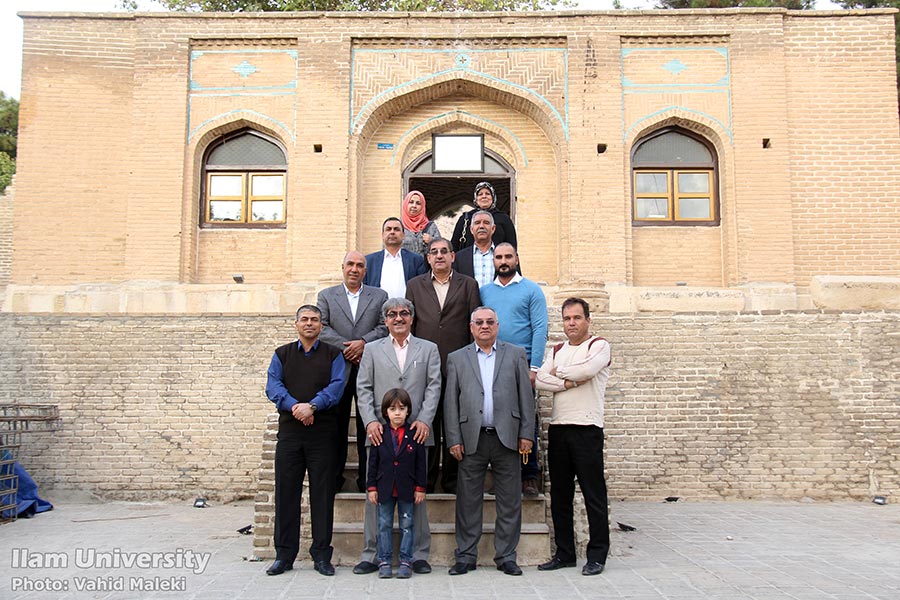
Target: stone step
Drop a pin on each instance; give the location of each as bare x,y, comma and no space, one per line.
349,508
533,548
351,468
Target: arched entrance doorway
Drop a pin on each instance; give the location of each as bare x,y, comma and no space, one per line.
448,196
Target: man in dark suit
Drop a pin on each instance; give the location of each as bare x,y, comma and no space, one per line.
393,266
351,317
304,381
477,261
400,360
444,300
489,419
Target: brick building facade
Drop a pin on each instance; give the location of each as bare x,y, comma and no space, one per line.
794,114
740,168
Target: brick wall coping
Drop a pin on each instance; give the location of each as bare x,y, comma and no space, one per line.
596,316
455,15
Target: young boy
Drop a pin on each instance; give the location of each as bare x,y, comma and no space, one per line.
396,475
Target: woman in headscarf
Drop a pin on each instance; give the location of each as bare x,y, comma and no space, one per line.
485,199
418,229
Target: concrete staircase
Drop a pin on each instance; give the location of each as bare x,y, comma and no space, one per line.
534,543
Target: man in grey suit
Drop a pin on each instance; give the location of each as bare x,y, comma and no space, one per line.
351,317
398,361
488,419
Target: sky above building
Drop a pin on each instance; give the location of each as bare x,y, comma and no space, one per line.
11,26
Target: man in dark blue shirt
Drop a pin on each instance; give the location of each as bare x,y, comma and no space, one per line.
305,380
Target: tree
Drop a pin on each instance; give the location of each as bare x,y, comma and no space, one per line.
790,4
7,170
9,124
355,5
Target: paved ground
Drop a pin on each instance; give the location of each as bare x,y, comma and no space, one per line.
684,550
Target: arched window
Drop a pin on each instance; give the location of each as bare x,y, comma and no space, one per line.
674,180
245,181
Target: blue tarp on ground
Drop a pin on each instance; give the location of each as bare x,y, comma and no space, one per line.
27,500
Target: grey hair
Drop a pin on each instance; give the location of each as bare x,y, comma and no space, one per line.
472,316
482,212
307,308
397,303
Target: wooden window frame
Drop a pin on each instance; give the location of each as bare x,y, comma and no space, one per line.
673,196
247,174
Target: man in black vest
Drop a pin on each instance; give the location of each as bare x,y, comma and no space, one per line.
305,381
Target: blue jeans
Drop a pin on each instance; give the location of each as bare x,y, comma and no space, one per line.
386,528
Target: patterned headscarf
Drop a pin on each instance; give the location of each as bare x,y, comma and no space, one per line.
481,186
411,223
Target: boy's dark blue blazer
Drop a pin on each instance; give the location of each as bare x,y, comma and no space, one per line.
406,468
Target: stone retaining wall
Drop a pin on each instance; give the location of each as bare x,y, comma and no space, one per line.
714,405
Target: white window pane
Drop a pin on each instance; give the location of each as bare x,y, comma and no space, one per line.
693,208
268,185
651,183
652,208
693,183
267,210
220,210
226,185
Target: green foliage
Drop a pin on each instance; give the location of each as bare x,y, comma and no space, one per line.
790,4
9,124
355,5
7,170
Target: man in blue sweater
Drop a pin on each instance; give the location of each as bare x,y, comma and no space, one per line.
522,311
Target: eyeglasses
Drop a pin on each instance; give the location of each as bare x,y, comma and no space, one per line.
488,322
436,251
402,313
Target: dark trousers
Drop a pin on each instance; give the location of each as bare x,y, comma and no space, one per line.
439,458
532,469
470,500
343,425
576,451
297,452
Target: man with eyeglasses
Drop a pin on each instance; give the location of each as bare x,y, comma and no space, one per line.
489,419
444,299
399,360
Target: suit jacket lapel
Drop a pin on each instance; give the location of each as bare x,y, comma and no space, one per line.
344,303
473,361
453,290
364,298
388,349
412,354
498,360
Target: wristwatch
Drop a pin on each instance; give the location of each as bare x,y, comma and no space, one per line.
312,407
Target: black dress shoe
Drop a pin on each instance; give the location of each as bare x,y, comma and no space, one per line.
279,566
592,568
461,568
510,568
324,567
556,563
364,568
421,567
